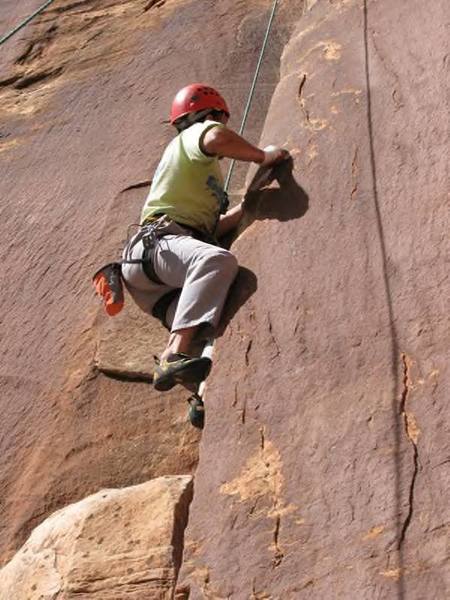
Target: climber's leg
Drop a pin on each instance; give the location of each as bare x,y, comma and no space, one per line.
204,272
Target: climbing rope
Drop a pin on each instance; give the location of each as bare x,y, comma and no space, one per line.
252,89
208,349
24,22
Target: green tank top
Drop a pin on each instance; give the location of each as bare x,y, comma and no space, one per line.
188,184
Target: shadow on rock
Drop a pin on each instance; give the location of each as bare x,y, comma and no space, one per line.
244,286
289,201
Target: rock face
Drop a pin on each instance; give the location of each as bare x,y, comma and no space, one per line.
324,462
325,455
123,544
83,91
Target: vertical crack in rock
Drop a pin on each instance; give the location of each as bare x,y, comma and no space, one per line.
242,411
260,483
235,396
302,100
354,174
275,511
181,516
312,123
301,84
412,432
273,339
263,437
247,352
278,552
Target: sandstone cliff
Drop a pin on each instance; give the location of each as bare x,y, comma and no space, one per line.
323,468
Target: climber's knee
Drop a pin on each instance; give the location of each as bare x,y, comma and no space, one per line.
228,263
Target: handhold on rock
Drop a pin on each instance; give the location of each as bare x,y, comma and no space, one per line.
266,174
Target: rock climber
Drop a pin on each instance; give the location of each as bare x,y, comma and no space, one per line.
184,276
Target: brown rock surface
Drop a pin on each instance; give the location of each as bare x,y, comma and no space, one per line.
83,92
115,544
324,462
323,467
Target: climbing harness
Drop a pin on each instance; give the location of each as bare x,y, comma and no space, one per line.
196,399
108,282
21,25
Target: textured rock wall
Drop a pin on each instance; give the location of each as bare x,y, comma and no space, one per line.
115,544
324,464
84,90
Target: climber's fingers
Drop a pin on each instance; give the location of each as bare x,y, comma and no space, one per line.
274,155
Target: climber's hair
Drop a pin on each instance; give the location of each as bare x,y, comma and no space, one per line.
197,117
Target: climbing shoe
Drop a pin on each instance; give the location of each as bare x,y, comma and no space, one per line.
196,413
179,368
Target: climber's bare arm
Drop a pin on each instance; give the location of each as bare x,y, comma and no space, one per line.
221,141
230,220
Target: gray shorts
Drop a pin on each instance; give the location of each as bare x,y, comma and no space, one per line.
201,273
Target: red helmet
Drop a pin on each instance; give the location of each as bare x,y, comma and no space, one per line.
195,97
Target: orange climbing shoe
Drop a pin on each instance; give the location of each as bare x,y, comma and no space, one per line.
179,368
